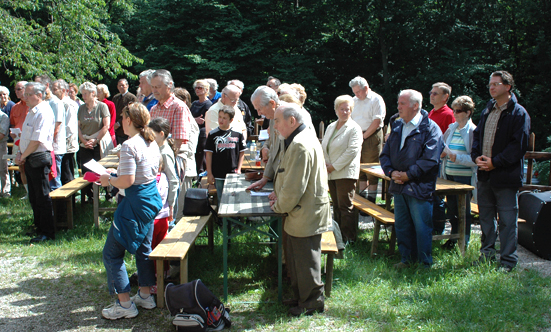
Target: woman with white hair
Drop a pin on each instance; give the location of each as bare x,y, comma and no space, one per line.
93,125
341,146
5,102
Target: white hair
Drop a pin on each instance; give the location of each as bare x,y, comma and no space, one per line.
62,84
5,90
291,109
147,74
358,81
213,84
237,83
38,88
88,86
285,89
415,97
265,94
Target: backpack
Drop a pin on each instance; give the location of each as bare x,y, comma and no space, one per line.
195,307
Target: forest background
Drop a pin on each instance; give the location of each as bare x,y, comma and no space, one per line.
321,44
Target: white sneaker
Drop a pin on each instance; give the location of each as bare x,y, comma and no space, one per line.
148,303
116,311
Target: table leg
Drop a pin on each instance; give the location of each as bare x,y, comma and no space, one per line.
386,185
461,201
225,248
96,205
279,260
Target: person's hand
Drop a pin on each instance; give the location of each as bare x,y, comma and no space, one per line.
14,136
210,179
452,157
484,163
273,199
399,177
90,143
116,125
330,168
104,179
170,213
443,155
258,184
200,120
265,155
237,171
18,160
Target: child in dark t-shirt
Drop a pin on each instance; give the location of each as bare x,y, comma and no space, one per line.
225,150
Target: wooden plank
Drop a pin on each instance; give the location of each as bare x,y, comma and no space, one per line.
69,189
372,209
176,244
328,243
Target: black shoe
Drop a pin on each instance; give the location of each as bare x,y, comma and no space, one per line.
449,245
297,311
40,238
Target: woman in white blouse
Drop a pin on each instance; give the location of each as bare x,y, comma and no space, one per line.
342,146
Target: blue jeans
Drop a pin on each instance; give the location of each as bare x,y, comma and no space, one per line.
113,259
413,228
503,202
219,183
453,210
56,182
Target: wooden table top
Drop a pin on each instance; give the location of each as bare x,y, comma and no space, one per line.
443,187
238,202
110,161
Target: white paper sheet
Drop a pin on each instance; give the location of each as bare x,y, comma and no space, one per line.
260,193
15,131
263,135
95,167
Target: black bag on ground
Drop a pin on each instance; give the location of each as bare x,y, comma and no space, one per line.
195,307
534,234
196,202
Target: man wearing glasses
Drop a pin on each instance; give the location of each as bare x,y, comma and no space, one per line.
230,97
499,144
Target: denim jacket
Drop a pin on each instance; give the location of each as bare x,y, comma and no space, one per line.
419,158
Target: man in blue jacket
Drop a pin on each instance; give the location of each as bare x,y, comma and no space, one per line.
410,158
499,144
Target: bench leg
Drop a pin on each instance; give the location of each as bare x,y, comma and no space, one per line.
69,203
183,270
210,231
375,242
329,274
96,205
160,283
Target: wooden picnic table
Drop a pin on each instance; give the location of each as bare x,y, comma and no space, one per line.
443,187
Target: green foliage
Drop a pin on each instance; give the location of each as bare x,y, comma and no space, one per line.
68,39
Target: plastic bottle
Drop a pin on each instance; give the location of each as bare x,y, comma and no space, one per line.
252,151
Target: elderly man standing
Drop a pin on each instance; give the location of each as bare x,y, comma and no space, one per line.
35,148
183,128
369,112
300,190
410,158
499,144
60,88
145,86
60,147
230,97
243,107
120,100
214,95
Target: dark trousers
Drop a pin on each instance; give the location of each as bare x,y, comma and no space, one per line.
342,194
200,161
304,264
67,168
85,156
39,195
121,139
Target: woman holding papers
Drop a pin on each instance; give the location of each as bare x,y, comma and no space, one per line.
132,228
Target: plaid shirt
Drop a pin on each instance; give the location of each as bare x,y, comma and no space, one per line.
178,114
490,129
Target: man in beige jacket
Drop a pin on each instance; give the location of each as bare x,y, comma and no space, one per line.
300,190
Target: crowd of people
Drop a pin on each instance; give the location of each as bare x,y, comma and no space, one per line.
166,140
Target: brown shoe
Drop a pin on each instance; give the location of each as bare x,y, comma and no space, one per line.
297,311
401,265
290,303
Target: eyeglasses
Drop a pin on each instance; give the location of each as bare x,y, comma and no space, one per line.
199,88
433,93
494,84
459,111
231,100
28,94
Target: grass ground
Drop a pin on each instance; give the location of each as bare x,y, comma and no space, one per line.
61,286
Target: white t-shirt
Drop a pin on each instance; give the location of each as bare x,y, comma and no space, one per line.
60,145
38,126
71,121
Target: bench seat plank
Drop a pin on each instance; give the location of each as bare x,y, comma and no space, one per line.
329,247
381,216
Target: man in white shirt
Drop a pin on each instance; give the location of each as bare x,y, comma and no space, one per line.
35,146
230,97
60,88
369,112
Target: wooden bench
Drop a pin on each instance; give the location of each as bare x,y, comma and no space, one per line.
381,216
67,193
175,247
329,247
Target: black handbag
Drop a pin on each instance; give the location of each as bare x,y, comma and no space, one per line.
196,202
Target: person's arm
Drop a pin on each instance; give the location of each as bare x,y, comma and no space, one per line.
31,148
208,157
295,180
105,122
518,142
56,129
430,156
372,128
240,163
351,150
121,182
